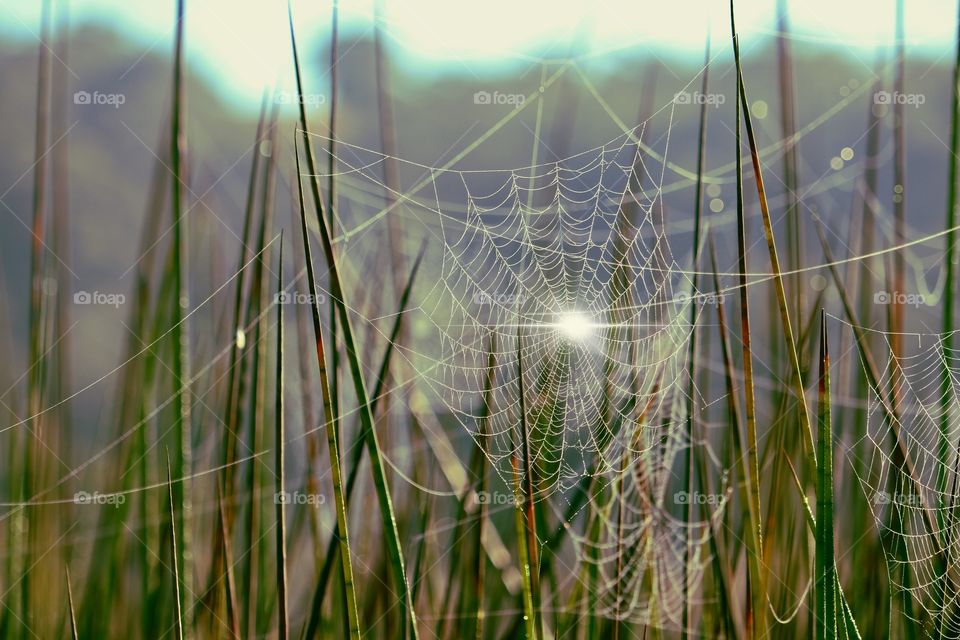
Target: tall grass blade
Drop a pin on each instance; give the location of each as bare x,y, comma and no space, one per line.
788,129
332,194
341,534
949,289
235,368
278,465
825,586
756,619
796,372
692,407
230,585
26,547
73,614
252,558
180,336
356,446
532,584
174,556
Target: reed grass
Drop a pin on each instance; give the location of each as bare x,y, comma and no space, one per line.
430,556
341,535
756,615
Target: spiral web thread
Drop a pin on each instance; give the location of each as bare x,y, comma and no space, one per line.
524,251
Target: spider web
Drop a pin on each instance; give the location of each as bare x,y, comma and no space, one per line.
911,479
600,404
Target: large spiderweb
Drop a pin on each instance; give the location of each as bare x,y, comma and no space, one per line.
912,478
563,271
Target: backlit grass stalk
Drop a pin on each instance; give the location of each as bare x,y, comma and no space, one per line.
230,586
479,557
278,467
356,448
796,373
341,534
692,355
174,556
949,289
756,621
25,537
180,335
788,129
72,612
236,365
366,415
825,586
532,597
388,145
257,304
331,192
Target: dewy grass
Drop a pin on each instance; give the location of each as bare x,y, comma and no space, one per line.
198,550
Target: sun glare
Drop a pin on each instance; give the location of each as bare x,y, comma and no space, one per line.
575,326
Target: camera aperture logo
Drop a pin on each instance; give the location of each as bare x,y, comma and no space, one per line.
298,297
99,98
895,97
497,98
698,98
99,298
496,498
897,297
686,497
881,498
97,498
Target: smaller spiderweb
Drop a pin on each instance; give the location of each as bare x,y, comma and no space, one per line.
911,481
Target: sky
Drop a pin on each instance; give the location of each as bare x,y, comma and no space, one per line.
243,45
